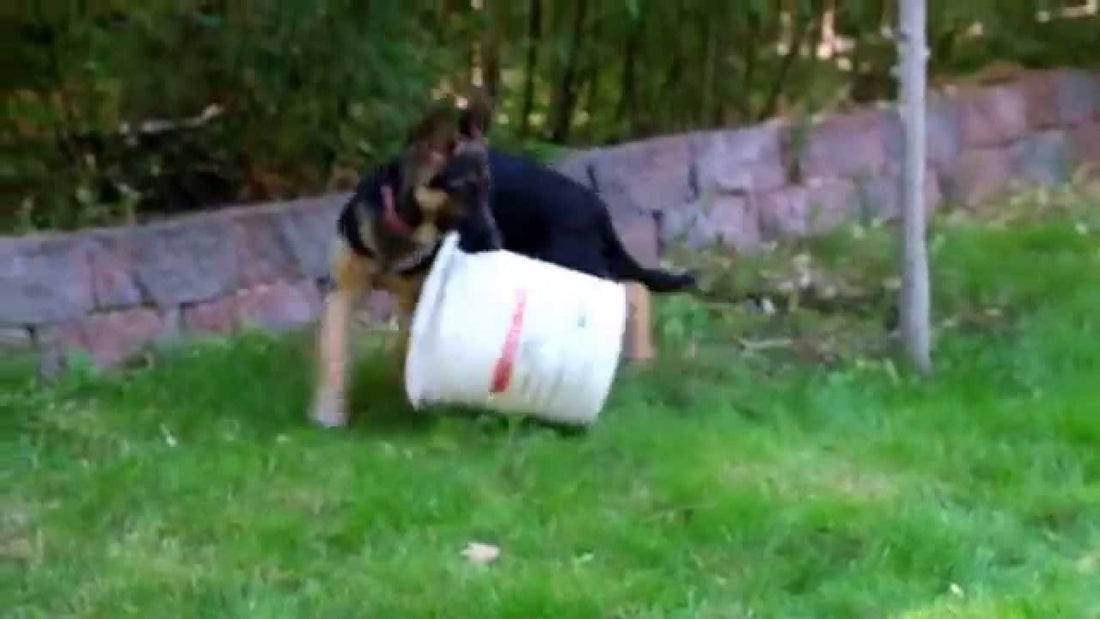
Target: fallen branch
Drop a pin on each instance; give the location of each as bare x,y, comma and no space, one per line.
157,125
759,345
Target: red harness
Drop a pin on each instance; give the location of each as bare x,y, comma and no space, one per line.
390,218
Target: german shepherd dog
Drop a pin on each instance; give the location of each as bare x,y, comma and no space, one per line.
448,179
388,234
546,215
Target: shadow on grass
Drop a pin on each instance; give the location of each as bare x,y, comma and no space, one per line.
377,401
260,382
378,404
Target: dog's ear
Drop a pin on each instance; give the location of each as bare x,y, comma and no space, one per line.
436,133
474,121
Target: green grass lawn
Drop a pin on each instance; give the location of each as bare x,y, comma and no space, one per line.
767,466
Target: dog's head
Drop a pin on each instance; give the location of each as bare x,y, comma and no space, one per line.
448,176
459,194
429,145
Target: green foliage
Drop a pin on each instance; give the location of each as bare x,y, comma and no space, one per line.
310,92
301,91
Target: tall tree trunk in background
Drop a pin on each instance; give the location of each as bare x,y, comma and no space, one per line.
750,51
719,69
798,36
821,15
594,71
708,83
490,51
915,294
534,33
568,88
667,113
628,89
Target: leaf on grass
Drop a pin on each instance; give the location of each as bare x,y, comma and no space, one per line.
169,438
481,554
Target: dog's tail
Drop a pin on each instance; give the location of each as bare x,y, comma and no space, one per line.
625,267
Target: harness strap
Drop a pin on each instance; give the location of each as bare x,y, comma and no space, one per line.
390,218
418,259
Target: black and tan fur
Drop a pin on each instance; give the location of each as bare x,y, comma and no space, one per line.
437,185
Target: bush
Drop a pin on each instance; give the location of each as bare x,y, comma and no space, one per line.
112,112
299,95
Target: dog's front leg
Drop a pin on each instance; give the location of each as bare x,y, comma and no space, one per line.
351,277
329,407
407,293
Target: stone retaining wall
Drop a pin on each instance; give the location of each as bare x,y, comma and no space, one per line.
114,292
749,185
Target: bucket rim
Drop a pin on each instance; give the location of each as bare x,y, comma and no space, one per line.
426,305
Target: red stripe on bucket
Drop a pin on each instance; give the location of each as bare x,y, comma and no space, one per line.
502,371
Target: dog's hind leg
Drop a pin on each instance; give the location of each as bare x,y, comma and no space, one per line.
639,328
351,275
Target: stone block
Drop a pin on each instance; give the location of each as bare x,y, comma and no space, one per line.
620,202
735,223
813,208
639,236
110,337
741,160
881,197
846,146
1085,148
44,279
685,224
993,116
263,252
114,281
727,219
655,173
578,167
1040,90
981,174
1061,98
280,306
943,134
218,316
1043,159
277,307
1078,97
309,227
186,261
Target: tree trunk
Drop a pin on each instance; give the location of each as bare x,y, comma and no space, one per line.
750,52
628,88
490,54
667,111
799,32
915,295
660,111
594,72
708,83
719,71
534,33
568,93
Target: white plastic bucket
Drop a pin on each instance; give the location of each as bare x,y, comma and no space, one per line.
503,332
